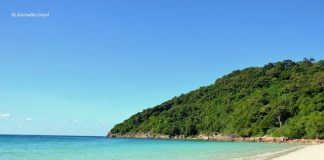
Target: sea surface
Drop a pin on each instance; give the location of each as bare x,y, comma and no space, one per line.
18,147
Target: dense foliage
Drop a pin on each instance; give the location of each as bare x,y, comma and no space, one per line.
279,99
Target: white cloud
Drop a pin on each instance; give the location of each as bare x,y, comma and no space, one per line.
28,119
4,116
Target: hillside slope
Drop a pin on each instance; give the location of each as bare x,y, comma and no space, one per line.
279,99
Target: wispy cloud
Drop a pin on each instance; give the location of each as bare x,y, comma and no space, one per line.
4,116
28,119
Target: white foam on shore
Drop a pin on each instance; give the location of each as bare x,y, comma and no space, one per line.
270,155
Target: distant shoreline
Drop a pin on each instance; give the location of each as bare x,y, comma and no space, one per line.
227,138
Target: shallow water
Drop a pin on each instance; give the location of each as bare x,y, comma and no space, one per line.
14,147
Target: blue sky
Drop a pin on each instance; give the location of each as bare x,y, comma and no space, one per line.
92,64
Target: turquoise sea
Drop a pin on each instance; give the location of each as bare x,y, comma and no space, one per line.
14,147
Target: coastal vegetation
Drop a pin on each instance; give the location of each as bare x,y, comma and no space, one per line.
279,99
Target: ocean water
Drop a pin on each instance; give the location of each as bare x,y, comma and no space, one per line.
14,147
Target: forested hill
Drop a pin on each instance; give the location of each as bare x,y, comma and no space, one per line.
279,99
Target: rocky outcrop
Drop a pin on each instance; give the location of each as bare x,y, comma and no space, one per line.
138,135
217,137
243,139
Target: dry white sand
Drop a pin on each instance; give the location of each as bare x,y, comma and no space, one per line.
312,152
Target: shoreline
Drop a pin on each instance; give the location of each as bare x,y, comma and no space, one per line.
311,152
272,155
311,149
227,138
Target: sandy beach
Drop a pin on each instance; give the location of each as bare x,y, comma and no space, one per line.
312,152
